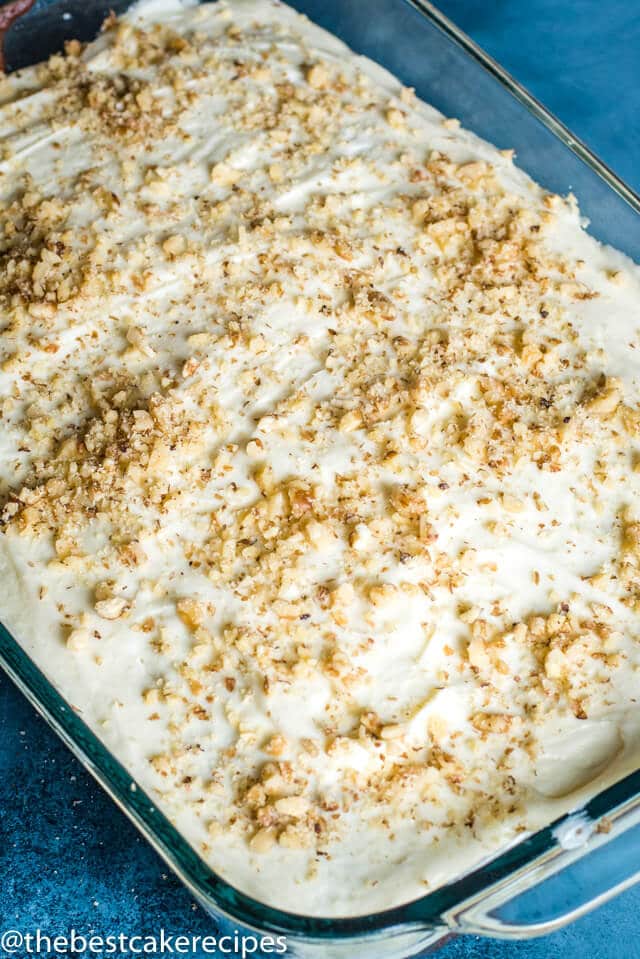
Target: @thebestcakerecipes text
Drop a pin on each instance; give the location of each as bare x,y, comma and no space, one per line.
38,942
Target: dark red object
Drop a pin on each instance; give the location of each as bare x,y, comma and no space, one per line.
8,15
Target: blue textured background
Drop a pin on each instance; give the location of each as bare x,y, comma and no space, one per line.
67,856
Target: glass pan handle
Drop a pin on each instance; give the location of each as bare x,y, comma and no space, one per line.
589,865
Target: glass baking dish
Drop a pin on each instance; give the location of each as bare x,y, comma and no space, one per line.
544,880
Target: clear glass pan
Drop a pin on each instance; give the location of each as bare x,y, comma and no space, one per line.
546,879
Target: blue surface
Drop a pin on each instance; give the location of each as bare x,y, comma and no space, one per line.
67,856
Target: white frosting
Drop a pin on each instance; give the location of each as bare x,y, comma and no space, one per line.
237,322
